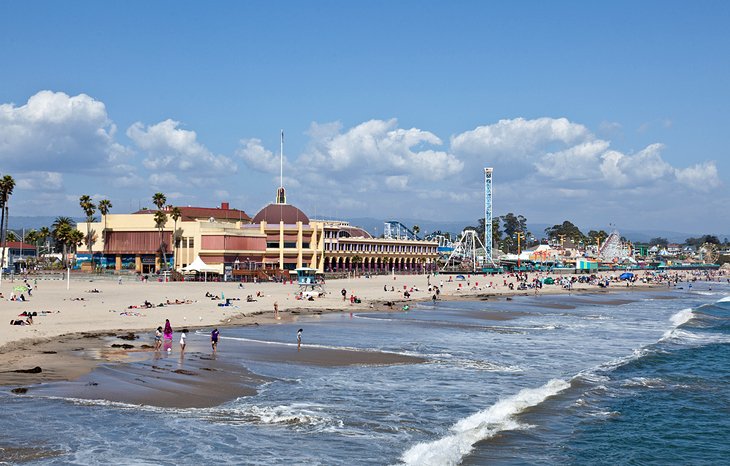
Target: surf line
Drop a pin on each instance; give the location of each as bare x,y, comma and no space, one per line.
479,426
336,348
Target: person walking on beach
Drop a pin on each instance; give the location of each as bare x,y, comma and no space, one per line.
344,294
183,337
214,339
299,339
276,310
158,338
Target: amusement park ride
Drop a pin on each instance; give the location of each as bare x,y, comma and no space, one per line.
469,253
464,254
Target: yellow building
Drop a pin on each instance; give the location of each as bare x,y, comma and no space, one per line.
280,237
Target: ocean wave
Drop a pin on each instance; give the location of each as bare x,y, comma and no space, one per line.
695,339
726,299
646,382
295,416
682,317
449,450
479,365
118,405
332,347
614,364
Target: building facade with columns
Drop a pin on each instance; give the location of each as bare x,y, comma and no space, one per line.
278,238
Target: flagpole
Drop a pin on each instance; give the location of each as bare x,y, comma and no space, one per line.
281,160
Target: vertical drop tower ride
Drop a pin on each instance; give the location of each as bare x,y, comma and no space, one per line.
488,216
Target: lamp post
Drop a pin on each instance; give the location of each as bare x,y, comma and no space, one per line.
519,236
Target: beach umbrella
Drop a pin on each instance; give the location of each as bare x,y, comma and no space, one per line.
626,276
21,288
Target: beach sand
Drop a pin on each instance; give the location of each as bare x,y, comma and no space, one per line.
81,331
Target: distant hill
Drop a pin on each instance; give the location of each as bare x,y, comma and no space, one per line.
18,222
375,227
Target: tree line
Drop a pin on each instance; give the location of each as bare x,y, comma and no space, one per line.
63,236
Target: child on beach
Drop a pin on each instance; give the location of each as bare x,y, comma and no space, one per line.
158,338
299,338
214,339
183,336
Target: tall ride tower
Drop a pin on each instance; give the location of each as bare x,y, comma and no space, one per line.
488,215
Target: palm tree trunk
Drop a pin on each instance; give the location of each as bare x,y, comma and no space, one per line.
4,242
88,243
2,235
174,245
162,249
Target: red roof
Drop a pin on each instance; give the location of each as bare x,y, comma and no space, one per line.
19,245
219,213
274,213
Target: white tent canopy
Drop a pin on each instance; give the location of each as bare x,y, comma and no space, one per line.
199,266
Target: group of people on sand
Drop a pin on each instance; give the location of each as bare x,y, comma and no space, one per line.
164,336
27,321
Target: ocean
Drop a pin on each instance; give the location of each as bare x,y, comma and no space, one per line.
604,378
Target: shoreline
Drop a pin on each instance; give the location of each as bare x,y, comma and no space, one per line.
72,356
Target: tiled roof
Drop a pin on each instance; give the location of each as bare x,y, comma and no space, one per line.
18,245
191,213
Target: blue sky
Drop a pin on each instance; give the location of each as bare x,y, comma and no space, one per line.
595,113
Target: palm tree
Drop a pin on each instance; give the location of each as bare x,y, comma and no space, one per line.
416,230
43,234
7,184
89,208
62,229
159,200
31,237
160,222
176,214
105,206
76,239
11,237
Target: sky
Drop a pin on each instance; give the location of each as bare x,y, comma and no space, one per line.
601,113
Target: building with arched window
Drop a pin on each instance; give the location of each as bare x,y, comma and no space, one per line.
279,237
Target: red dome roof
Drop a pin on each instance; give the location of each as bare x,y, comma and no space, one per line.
274,213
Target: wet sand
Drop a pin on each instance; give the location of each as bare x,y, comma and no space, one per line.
191,381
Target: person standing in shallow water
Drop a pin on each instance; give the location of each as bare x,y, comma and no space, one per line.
158,338
168,330
214,339
299,339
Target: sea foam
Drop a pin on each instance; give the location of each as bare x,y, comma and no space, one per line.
449,450
682,317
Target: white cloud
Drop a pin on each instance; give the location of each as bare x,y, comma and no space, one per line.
257,157
162,181
378,147
171,148
40,181
397,183
700,177
58,132
518,137
579,162
642,168
525,150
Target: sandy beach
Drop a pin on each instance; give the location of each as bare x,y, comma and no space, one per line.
102,321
